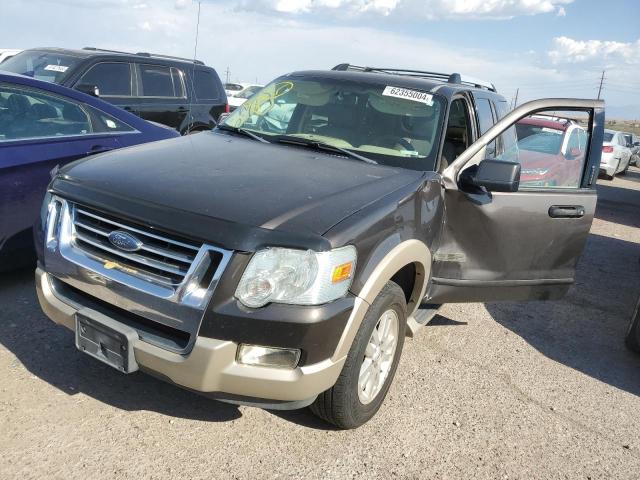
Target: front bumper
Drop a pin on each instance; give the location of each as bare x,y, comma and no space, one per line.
210,366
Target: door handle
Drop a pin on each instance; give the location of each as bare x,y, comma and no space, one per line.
183,109
566,211
128,109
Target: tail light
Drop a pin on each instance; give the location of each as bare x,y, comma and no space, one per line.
226,108
607,149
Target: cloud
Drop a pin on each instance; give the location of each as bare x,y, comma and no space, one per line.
425,9
598,52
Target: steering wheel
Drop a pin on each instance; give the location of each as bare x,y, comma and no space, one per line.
393,140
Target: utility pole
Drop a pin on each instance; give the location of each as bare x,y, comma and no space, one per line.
600,87
227,72
515,100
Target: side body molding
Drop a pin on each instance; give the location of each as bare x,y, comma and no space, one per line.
405,253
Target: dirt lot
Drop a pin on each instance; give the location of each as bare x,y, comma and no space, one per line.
538,390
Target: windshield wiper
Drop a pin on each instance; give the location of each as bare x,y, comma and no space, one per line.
324,146
242,131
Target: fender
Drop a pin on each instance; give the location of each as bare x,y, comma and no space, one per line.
404,253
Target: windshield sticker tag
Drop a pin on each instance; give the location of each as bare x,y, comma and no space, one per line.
56,68
552,130
407,94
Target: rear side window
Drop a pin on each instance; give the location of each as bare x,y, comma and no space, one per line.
205,85
486,121
113,79
161,81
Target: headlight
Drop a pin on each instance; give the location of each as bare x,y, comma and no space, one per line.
300,277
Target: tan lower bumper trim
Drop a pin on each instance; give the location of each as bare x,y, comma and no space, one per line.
211,365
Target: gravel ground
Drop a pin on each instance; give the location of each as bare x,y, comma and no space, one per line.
536,390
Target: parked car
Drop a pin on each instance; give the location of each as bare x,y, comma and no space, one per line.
242,96
7,53
44,126
633,333
232,88
283,267
551,151
633,142
616,156
183,94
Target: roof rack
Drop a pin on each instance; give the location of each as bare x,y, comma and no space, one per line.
146,54
454,78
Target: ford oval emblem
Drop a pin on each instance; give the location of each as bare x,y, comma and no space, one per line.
125,241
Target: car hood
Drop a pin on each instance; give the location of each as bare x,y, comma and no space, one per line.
530,159
231,190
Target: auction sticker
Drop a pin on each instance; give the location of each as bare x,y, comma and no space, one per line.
407,94
56,68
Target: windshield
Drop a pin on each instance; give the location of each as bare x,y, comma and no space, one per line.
47,66
391,125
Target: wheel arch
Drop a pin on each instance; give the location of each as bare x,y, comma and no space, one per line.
412,254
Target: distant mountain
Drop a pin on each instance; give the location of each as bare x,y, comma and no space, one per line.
627,112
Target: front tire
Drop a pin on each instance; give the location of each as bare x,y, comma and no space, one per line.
633,333
371,363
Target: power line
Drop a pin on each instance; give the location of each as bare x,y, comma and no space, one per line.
600,87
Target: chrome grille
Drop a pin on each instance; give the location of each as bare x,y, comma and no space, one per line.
161,258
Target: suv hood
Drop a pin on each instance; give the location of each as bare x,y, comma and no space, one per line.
230,190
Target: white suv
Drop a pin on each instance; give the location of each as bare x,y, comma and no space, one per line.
615,154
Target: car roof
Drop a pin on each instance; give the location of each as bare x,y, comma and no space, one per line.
541,122
89,52
129,118
398,80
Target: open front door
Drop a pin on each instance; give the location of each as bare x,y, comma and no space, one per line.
515,230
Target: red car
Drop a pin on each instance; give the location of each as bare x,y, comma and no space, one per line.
551,151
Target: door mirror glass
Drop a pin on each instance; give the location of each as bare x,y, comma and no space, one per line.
92,90
493,175
573,153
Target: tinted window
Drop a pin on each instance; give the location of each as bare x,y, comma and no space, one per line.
160,81
206,85
608,136
48,66
113,79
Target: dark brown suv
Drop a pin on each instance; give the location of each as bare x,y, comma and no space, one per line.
282,260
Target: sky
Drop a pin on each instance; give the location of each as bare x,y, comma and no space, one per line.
544,48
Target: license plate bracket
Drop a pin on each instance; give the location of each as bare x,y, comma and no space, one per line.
107,340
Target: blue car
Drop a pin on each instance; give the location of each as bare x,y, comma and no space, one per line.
44,126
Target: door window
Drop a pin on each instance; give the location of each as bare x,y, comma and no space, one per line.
551,149
161,81
27,113
113,79
458,133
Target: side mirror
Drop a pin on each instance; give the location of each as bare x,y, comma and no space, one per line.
636,144
494,175
573,153
92,90
222,117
